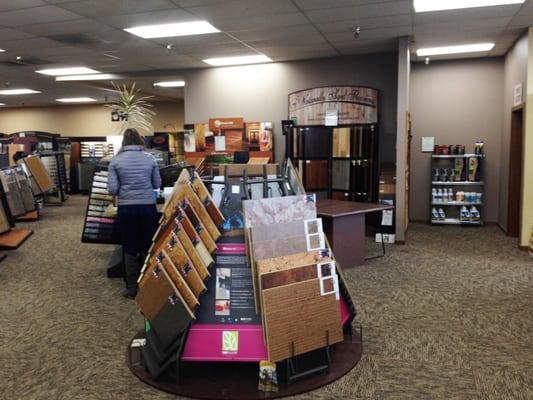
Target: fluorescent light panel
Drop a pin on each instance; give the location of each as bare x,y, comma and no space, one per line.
464,48
170,84
221,61
67,71
2,50
12,92
172,30
2,104
90,77
76,100
440,5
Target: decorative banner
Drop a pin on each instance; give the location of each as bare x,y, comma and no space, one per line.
353,104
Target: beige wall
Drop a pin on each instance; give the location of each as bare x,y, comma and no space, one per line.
527,186
457,102
260,92
515,72
81,120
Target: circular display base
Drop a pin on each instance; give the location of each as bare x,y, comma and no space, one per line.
238,380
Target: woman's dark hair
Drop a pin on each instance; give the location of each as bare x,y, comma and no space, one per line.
132,137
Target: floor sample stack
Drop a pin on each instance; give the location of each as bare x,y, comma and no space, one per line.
179,261
296,279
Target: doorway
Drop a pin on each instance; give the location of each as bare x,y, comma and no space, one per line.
514,195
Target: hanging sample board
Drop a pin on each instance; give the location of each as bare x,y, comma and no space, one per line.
39,175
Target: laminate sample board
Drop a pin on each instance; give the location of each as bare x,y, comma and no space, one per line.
39,173
316,142
298,274
301,317
12,192
283,263
316,174
286,229
251,169
287,246
198,225
25,189
195,237
341,142
340,174
278,209
4,222
206,199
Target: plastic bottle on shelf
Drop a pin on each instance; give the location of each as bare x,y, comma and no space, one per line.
439,195
434,214
450,194
474,214
464,214
433,195
442,215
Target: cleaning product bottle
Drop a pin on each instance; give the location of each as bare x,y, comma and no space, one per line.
434,214
442,215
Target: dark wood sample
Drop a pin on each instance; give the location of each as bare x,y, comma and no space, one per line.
316,142
316,174
340,174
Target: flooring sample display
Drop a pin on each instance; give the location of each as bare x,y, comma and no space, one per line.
316,174
206,199
278,209
340,174
4,222
288,245
39,173
292,261
195,238
258,160
154,291
301,317
341,142
177,275
286,229
25,189
12,192
251,169
208,241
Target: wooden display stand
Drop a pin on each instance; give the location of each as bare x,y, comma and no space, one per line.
29,216
13,238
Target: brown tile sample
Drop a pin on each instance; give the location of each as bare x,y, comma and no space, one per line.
298,319
316,174
340,174
276,210
298,273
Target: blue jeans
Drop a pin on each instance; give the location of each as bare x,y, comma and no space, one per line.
138,224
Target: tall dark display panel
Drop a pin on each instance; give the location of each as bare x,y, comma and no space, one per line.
332,137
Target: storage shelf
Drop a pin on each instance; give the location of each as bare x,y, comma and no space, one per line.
457,203
457,155
462,183
455,221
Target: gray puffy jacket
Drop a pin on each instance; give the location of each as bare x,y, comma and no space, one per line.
133,176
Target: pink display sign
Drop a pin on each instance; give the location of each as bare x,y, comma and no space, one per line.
231,248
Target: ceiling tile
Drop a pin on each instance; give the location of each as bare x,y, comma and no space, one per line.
62,27
35,15
12,34
520,21
149,18
243,9
260,22
321,4
496,24
379,33
97,8
365,23
6,5
372,10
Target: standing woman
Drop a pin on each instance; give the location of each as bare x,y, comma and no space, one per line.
133,176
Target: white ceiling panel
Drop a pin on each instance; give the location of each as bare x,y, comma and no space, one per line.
468,14
149,18
243,9
261,22
365,23
35,15
372,10
97,8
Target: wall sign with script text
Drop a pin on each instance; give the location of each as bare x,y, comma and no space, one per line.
353,105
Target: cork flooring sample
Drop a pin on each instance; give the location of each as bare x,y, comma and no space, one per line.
276,210
298,319
284,230
279,247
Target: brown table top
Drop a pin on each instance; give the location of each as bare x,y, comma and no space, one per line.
340,208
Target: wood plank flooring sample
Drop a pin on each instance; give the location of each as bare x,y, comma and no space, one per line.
178,280
297,273
198,225
316,142
39,172
276,210
154,291
195,238
299,318
316,174
341,142
207,199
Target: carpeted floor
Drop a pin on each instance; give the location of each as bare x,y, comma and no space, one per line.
448,316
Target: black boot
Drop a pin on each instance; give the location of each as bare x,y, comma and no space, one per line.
131,266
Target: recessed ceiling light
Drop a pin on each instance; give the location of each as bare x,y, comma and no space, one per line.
170,84
255,59
76,100
90,77
464,48
440,5
2,50
67,71
9,92
172,30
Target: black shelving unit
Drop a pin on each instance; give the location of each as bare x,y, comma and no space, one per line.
353,176
452,207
